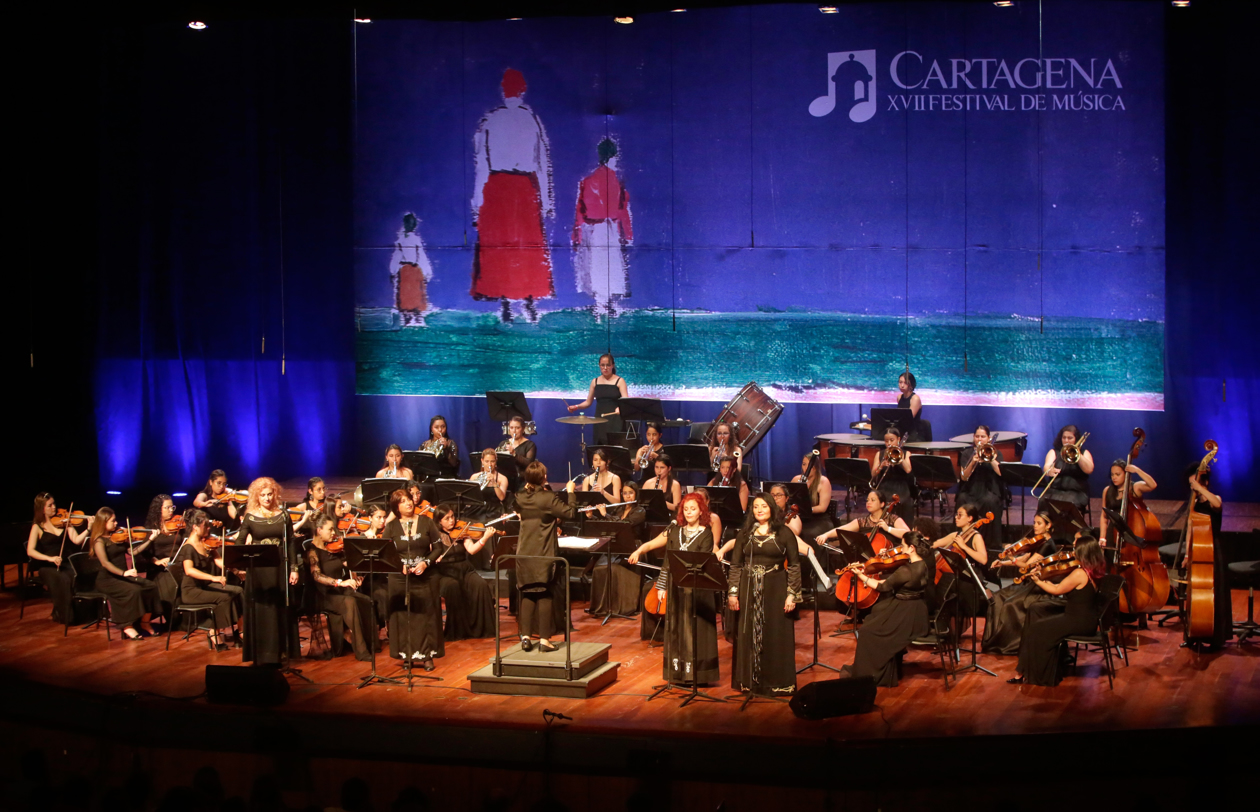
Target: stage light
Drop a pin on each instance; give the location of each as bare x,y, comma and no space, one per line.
113,493
363,19
197,25
1181,3
829,9
623,20
677,10
181,493
1004,3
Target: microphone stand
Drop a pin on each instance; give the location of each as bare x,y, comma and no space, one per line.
285,623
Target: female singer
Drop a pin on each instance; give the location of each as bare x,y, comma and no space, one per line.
199,583
878,516
603,480
1072,482
982,485
1111,496
442,446
525,451
791,521
899,615
1210,504
338,590
541,511
489,478
664,481
728,476
722,445
966,540
1008,612
273,634
895,480
1040,650
394,468
688,610
216,502
909,399
46,547
818,519
415,605
604,392
132,599
470,607
759,584
647,454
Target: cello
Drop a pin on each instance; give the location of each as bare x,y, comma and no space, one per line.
1145,576
1198,553
848,587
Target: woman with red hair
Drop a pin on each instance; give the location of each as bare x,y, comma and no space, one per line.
273,635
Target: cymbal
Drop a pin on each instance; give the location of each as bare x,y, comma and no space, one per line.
581,420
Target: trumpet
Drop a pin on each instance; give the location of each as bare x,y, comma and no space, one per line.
504,447
1071,455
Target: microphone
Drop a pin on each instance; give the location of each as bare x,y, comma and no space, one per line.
549,715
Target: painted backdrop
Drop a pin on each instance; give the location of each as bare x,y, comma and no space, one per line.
811,201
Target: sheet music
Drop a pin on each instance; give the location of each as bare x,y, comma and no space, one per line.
822,576
577,542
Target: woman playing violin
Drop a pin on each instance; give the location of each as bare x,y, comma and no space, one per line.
132,599
274,631
470,606
1040,660
415,606
203,579
603,480
1140,484
46,546
728,476
664,481
966,540
338,590
489,478
314,505
647,454
379,589
899,615
441,446
1008,611
216,501
394,468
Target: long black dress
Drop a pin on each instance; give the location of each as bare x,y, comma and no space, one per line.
274,632
1072,485
129,597
1008,615
470,606
684,658
415,606
58,580
765,649
225,597
898,616
626,578
539,581
987,492
1040,662
163,545
606,397
347,608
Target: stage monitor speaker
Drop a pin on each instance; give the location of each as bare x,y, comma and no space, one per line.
834,697
262,686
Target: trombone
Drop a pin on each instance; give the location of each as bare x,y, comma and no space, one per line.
892,456
1071,456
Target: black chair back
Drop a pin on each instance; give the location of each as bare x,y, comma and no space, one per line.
1108,602
84,567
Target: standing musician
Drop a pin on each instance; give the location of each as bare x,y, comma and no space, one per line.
1008,612
1112,496
273,635
445,449
605,390
541,511
489,478
50,555
525,451
764,586
132,599
1040,655
1071,483
664,481
202,579
728,476
982,483
415,606
646,456
878,517
394,468
338,590
899,615
470,606
909,399
722,445
966,540
1207,502
818,518
216,501
602,480
895,479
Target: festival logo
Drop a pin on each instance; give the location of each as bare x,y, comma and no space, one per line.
850,84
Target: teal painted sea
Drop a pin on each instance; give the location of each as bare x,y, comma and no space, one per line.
797,356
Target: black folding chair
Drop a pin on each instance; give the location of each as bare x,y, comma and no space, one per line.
944,641
1101,640
83,569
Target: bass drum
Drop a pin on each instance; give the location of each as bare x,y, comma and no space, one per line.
751,414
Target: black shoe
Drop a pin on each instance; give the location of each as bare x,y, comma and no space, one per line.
547,645
1015,681
220,646
428,664
526,644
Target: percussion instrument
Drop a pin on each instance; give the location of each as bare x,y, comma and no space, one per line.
750,414
581,420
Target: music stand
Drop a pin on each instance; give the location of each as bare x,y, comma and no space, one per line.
641,410
1123,533
362,556
460,491
881,419
503,406
1065,518
653,503
724,501
689,457
957,565
797,494
933,473
424,464
854,473
618,458
623,540
853,547
692,570
1020,475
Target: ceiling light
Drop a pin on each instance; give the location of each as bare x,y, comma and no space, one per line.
1181,3
197,26
363,19
623,20
828,9
1004,3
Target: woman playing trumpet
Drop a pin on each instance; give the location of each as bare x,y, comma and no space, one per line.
647,454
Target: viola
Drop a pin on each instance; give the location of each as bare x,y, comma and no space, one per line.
336,545
123,536
63,517
790,514
473,531
1054,566
173,525
229,495
212,542
1027,544
354,523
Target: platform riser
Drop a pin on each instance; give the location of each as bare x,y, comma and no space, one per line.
484,682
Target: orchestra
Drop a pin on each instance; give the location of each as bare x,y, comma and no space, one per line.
1030,594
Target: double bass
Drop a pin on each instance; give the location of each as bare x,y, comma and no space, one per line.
1198,553
1145,576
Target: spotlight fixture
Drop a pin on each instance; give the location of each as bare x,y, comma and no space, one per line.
829,9
113,493
197,25
1004,3
363,19
1181,3
623,20
179,494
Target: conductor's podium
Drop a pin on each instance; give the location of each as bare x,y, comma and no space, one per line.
542,673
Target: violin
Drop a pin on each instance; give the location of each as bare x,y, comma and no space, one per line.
229,495
63,517
791,513
1053,566
124,536
971,531
1027,544
883,562
336,545
354,523
212,542
173,525
465,531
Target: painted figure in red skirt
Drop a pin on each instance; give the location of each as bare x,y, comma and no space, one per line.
512,193
410,271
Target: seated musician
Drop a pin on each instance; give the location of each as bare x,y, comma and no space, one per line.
646,455
470,606
966,540
49,552
728,476
132,599
896,479
314,505
379,591
1040,648
441,446
632,513
899,615
394,469
1009,608
878,517
818,518
1071,480
215,500
203,580
489,478
603,480
338,590
1143,484
664,481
